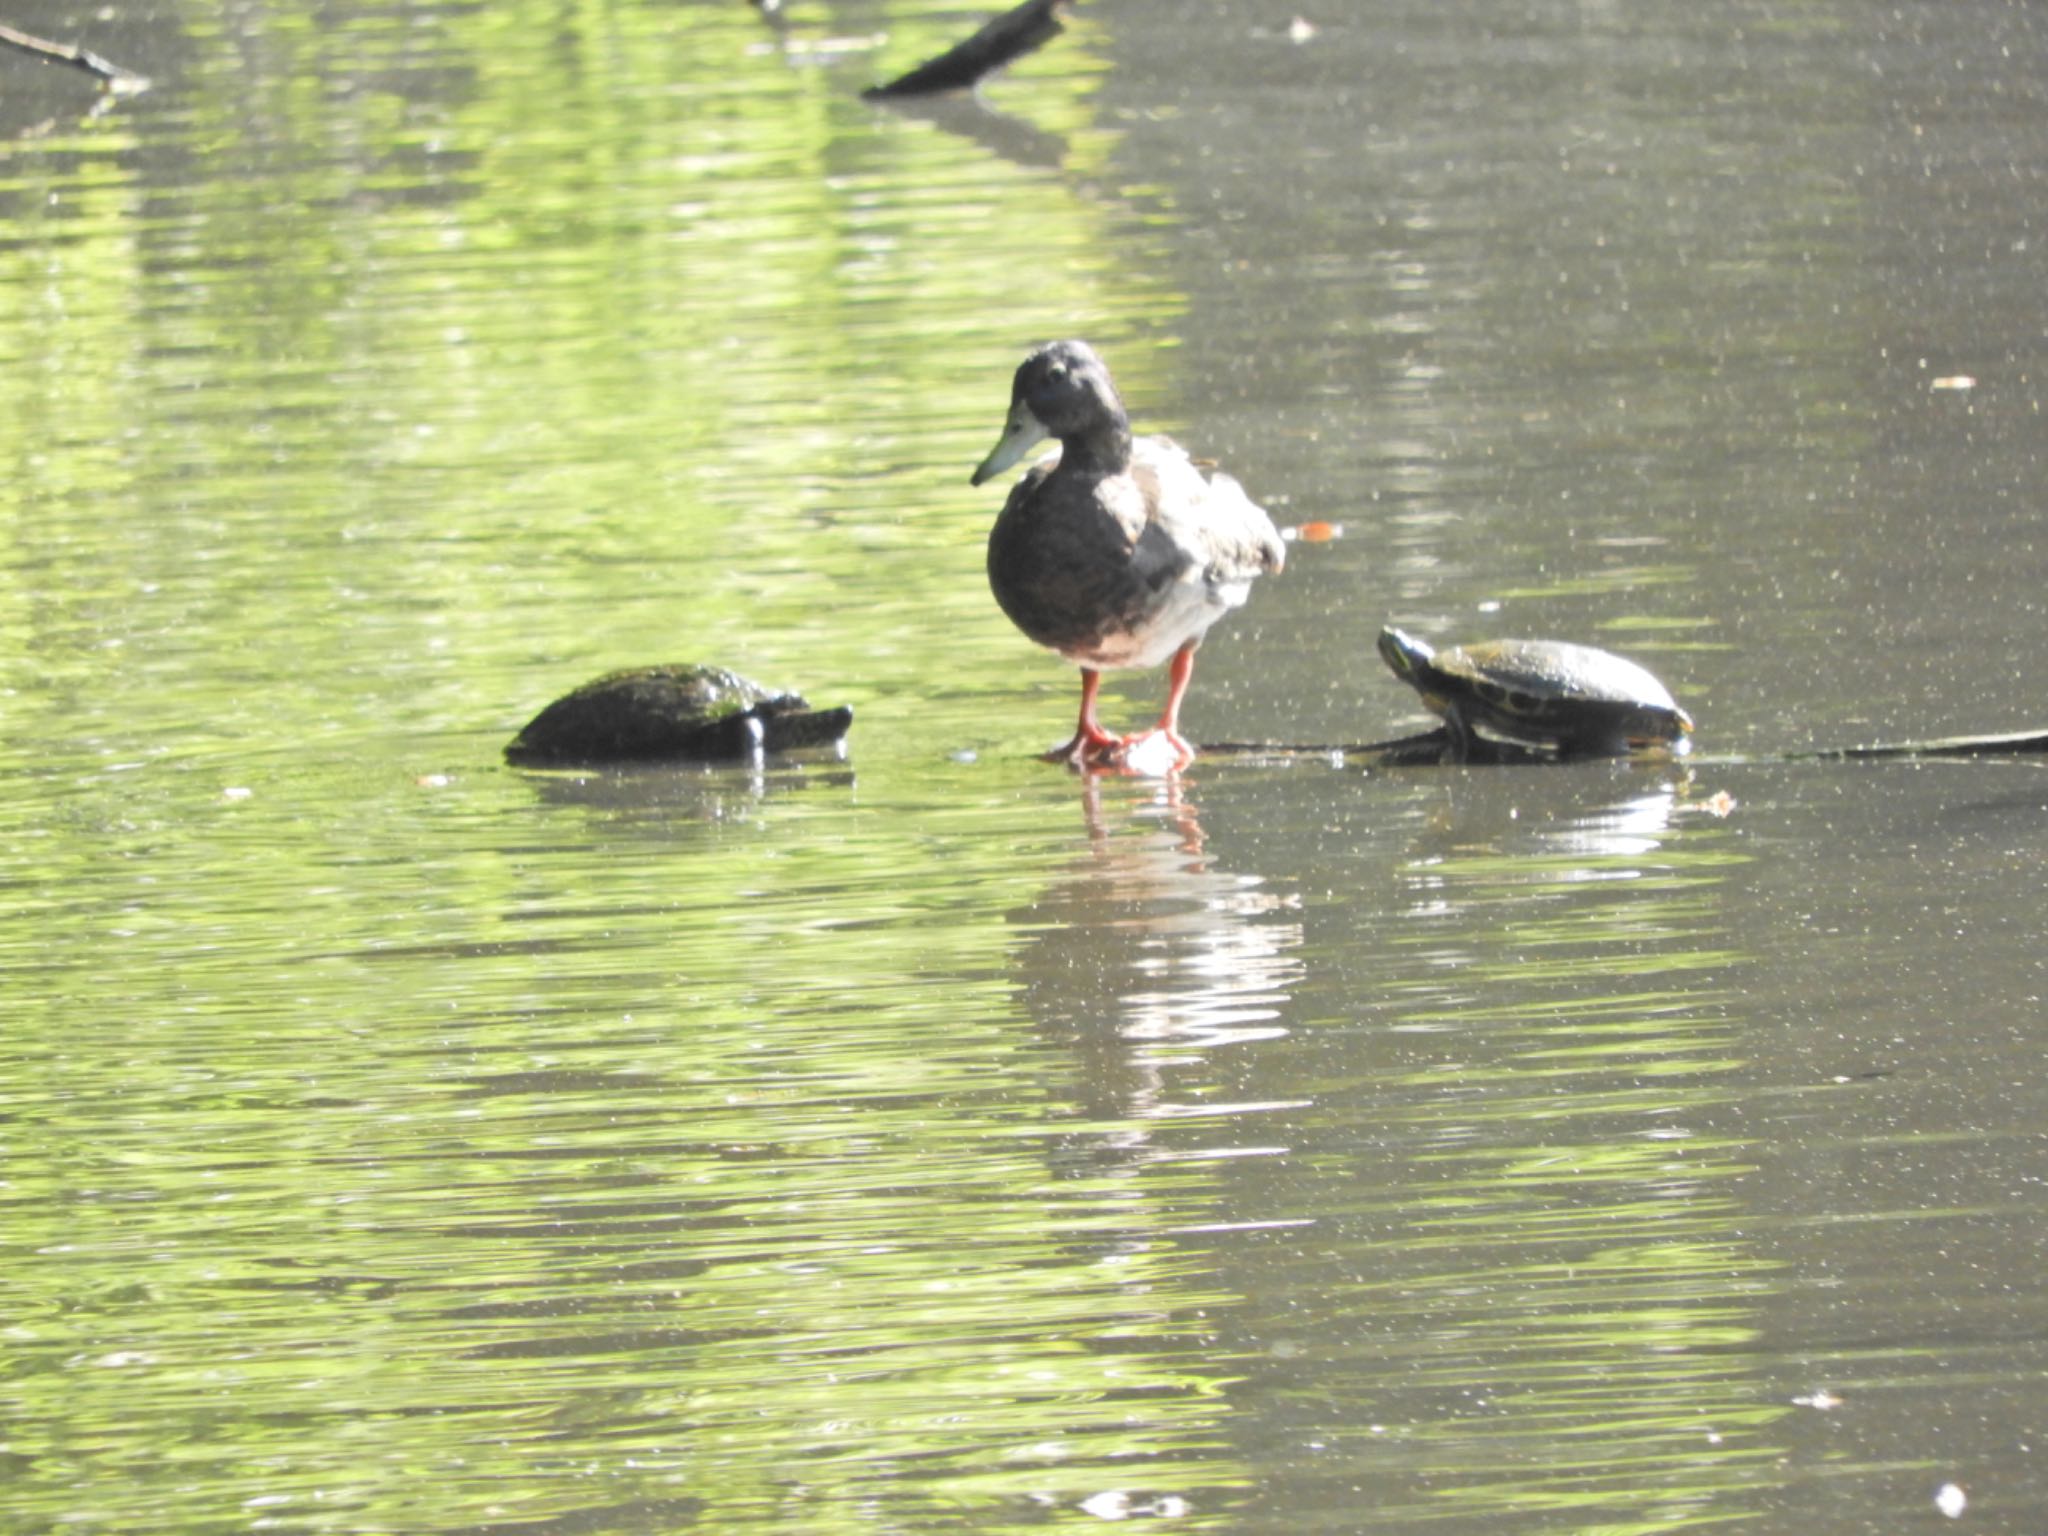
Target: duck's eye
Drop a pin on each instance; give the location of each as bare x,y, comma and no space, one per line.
1056,374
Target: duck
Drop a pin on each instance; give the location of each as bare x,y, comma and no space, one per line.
1115,551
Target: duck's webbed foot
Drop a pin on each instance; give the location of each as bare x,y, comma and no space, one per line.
1091,747
1156,753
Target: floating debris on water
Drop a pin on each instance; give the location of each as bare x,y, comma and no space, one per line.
1313,532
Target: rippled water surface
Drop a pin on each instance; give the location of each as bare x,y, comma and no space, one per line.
933,1139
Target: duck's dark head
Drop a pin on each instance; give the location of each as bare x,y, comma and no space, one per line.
1062,390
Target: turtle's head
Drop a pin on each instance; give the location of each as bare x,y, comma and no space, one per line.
1661,730
1405,654
1062,390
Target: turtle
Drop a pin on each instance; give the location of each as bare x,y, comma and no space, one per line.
679,711
1568,700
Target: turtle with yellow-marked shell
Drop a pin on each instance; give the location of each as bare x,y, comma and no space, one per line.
1571,700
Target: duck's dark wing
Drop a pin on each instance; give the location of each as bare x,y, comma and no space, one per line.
1076,562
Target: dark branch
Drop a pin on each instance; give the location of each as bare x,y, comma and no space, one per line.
2004,744
1010,36
114,76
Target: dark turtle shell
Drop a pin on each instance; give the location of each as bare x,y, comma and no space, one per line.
705,713
1574,699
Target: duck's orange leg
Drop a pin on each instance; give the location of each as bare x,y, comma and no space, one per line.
1177,678
1092,746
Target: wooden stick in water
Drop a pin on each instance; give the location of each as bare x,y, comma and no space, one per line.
113,75
1429,747
1010,36
2006,744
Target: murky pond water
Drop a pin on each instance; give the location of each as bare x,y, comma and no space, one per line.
938,1140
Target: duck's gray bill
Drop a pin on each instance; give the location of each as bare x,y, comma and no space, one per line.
1022,434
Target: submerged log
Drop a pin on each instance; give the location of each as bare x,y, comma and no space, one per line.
2003,744
1429,748
1425,749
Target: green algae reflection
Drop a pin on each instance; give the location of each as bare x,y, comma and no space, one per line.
397,1143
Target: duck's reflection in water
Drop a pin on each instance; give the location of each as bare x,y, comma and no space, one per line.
1157,969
